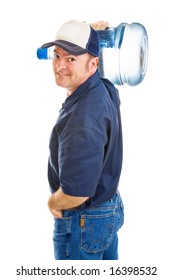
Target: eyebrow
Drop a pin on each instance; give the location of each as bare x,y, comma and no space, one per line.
66,55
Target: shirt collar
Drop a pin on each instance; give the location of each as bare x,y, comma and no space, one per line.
81,90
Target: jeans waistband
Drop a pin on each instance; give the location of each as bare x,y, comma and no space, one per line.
111,203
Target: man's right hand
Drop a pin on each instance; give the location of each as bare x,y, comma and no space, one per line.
100,25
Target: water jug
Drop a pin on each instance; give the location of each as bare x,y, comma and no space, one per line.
123,54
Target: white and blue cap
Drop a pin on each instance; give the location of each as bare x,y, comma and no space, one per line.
76,38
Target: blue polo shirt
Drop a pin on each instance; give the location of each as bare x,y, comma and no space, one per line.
86,143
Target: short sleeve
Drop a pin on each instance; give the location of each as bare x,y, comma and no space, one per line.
80,158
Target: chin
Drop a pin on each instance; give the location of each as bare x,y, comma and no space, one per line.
60,84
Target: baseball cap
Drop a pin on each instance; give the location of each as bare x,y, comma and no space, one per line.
76,38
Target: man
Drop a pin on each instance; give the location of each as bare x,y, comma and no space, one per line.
85,150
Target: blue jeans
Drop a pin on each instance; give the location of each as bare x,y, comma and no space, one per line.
89,234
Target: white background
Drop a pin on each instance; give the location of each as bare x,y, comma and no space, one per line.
29,104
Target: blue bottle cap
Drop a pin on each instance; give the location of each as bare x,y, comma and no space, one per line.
42,53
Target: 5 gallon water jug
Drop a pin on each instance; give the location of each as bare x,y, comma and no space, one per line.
123,53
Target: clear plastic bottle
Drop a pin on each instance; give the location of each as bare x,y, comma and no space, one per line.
123,54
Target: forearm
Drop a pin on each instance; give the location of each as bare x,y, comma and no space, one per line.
59,201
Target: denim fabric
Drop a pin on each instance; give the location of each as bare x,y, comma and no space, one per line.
89,234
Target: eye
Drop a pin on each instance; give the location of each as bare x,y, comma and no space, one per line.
55,56
71,59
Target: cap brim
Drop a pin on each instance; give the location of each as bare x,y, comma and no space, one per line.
67,46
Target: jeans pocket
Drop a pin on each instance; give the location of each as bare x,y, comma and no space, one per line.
62,226
96,232
61,238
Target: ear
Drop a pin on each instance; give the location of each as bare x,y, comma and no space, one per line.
93,64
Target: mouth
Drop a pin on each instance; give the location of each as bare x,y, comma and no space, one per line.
61,74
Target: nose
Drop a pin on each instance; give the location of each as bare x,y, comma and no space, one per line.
60,64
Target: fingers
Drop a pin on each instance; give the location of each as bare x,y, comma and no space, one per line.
57,213
100,25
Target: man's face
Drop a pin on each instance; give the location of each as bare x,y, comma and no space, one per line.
71,71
